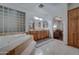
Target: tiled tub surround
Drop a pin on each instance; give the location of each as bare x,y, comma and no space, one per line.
16,44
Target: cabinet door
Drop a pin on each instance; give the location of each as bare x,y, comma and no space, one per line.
71,27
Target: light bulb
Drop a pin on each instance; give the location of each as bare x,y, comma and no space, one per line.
36,18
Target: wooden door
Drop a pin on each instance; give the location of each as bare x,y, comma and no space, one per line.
75,14
72,25
77,28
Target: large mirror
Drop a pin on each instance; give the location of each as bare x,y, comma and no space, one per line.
38,25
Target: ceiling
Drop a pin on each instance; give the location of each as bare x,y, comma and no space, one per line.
49,9
33,7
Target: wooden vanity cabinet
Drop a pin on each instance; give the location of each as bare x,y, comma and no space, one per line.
39,35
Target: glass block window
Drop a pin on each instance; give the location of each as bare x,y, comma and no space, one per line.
11,20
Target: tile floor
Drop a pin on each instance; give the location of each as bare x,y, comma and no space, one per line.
54,47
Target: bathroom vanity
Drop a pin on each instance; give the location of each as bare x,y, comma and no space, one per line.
39,35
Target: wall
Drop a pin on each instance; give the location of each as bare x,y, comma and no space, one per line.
73,5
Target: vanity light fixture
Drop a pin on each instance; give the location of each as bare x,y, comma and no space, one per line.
55,26
40,19
37,18
57,18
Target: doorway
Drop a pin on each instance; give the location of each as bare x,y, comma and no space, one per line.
58,28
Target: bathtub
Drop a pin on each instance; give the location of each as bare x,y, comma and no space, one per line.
10,42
